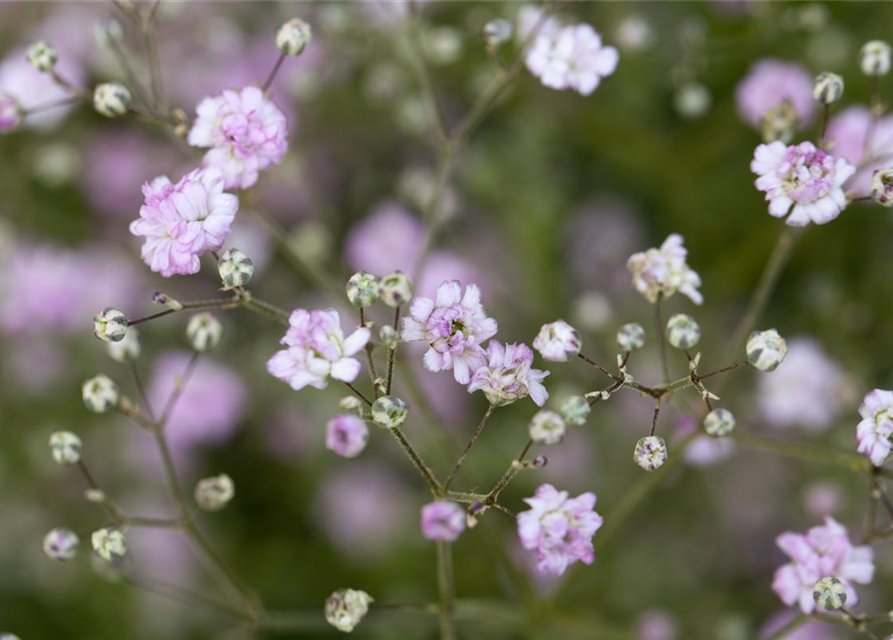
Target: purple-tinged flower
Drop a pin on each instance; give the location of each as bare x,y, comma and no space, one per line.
558,341
246,134
507,376
443,521
11,113
572,58
803,177
346,435
316,350
768,85
864,141
659,273
876,427
559,528
823,551
183,221
454,326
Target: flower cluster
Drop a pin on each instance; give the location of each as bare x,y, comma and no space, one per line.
660,273
508,375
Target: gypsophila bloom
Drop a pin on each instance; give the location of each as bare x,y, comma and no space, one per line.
388,336
204,331
125,350
682,331
828,87
396,289
100,394
650,453
246,134
829,593
11,113
508,376
42,56
454,326
109,544
766,349
389,411
719,422
875,430
659,273
442,521
631,337
559,528
345,608
346,435
235,268
770,84
316,350
183,221
558,341
497,32
823,551
362,289
293,37
874,58
546,427
575,410
572,58
110,325
882,187
214,493
61,544
803,177
111,99
65,447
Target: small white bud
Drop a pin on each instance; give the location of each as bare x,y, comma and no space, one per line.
692,100
650,453
882,187
107,31
11,113
396,289
575,410
719,422
204,332
163,299
61,544
346,608
388,336
497,32
42,56
362,289
350,403
389,412
111,99
293,37
110,325
235,268
766,349
828,87
125,350
546,427
100,394
65,447
214,493
829,593
683,332
109,544
96,496
631,337
874,58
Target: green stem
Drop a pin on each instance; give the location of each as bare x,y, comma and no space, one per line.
416,460
467,449
804,452
446,589
662,342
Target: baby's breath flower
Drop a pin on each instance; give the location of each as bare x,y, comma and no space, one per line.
497,32
346,435
111,99
389,412
874,432
65,447
547,427
396,289
214,493
631,337
362,289
650,453
388,336
443,521
345,608
125,350
42,56
100,394
660,273
874,58
575,410
829,593
719,422
766,349
882,187
204,332
828,87
110,325
683,332
235,268
11,113
109,544
558,341
293,37
61,544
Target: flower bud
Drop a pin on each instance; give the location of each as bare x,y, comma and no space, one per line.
443,521
111,99
650,453
106,32
159,297
874,58
65,447
204,332
766,349
388,336
683,332
346,608
779,123
42,56
558,341
719,422
829,593
539,462
346,435
631,337
389,411
125,350
546,427
497,32
575,410
61,544
293,37
362,289
235,268
396,289
110,325
11,113
882,187
350,403
828,87
214,493
94,495
100,394
109,544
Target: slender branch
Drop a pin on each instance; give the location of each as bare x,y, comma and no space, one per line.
723,370
661,341
393,354
656,413
273,72
464,454
598,366
803,451
446,589
423,73
141,390
416,459
179,386
359,394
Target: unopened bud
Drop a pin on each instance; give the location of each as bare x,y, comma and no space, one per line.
235,268
497,32
345,608
362,289
111,99
388,336
389,412
547,427
163,299
766,349
575,410
558,341
631,337
874,58
828,87
882,187
350,403
719,422
204,332
212,494
109,544
650,453
110,325
125,350
61,544
100,394
683,332
829,593
396,289
293,37
65,447
42,56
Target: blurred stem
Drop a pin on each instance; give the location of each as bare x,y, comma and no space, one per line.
794,624
804,452
179,386
446,588
141,390
416,460
159,101
661,342
464,454
273,72
423,73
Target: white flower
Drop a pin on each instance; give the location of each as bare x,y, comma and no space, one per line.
572,58
558,341
346,608
876,427
109,544
659,273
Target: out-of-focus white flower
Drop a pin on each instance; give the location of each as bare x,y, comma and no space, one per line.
659,273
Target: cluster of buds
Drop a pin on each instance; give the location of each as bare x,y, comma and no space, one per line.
365,289
214,493
235,269
346,608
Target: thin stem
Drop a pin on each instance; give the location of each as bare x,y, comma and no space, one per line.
597,366
446,589
182,595
141,390
269,81
197,305
656,413
392,355
794,624
661,341
157,83
511,472
464,454
416,459
359,394
826,115
55,104
423,73
804,452
373,374
723,370
179,386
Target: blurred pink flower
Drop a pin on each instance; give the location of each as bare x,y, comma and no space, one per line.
443,521
822,498
847,132
347,435
768,83
33,88
874,430
655,624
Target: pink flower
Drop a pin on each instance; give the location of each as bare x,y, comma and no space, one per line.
804,177
876,427
559,528
768,84
507,376
246,134
659,273
572,58
317,350
346,435
443,521
11,114
183,221
823,551
454,326
848,130
558,341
